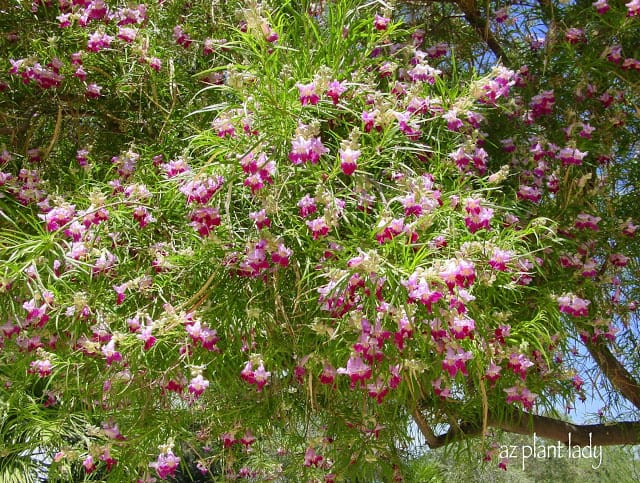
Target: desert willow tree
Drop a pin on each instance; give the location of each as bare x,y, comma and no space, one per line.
258,240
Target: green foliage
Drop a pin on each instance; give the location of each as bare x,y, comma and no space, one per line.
280,230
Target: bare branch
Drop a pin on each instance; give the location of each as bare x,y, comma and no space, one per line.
619,376
515,421
425,429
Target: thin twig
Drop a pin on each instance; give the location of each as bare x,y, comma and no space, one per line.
56,133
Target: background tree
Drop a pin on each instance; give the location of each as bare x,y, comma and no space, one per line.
447,464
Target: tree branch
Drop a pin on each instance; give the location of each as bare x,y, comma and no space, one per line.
514,420
425,429
473,17
480,25
621,379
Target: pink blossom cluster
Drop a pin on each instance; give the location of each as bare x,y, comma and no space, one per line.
421,197
500,259
478,216
89,464
309,93
224,126
127,34
573,305
462,327
501,15
455,361
465,160
146,336
443,392
335,89
204,219
571,156
126,163
132,15
458,273
181,37
631,64
493,372
423,72
328,374
260,218
26,187
166,464
380,22
629,229
575,35
407,125
584,221
58,217
601,6
453,122
378,390
258,377
9,329
311,458
436,51
255,262
201,190
198,385
348,160
108,460
37,312
618,260
614,54
607,332
370,344
357,371
369,120
259,170
522,395
142,215
46,77
519,363
391,229
306,150
633,8
110,352
202,335
542,104
42,367
338,300
307,206
419,290
318,227
99,41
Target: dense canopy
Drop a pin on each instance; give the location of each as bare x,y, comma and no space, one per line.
267,241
